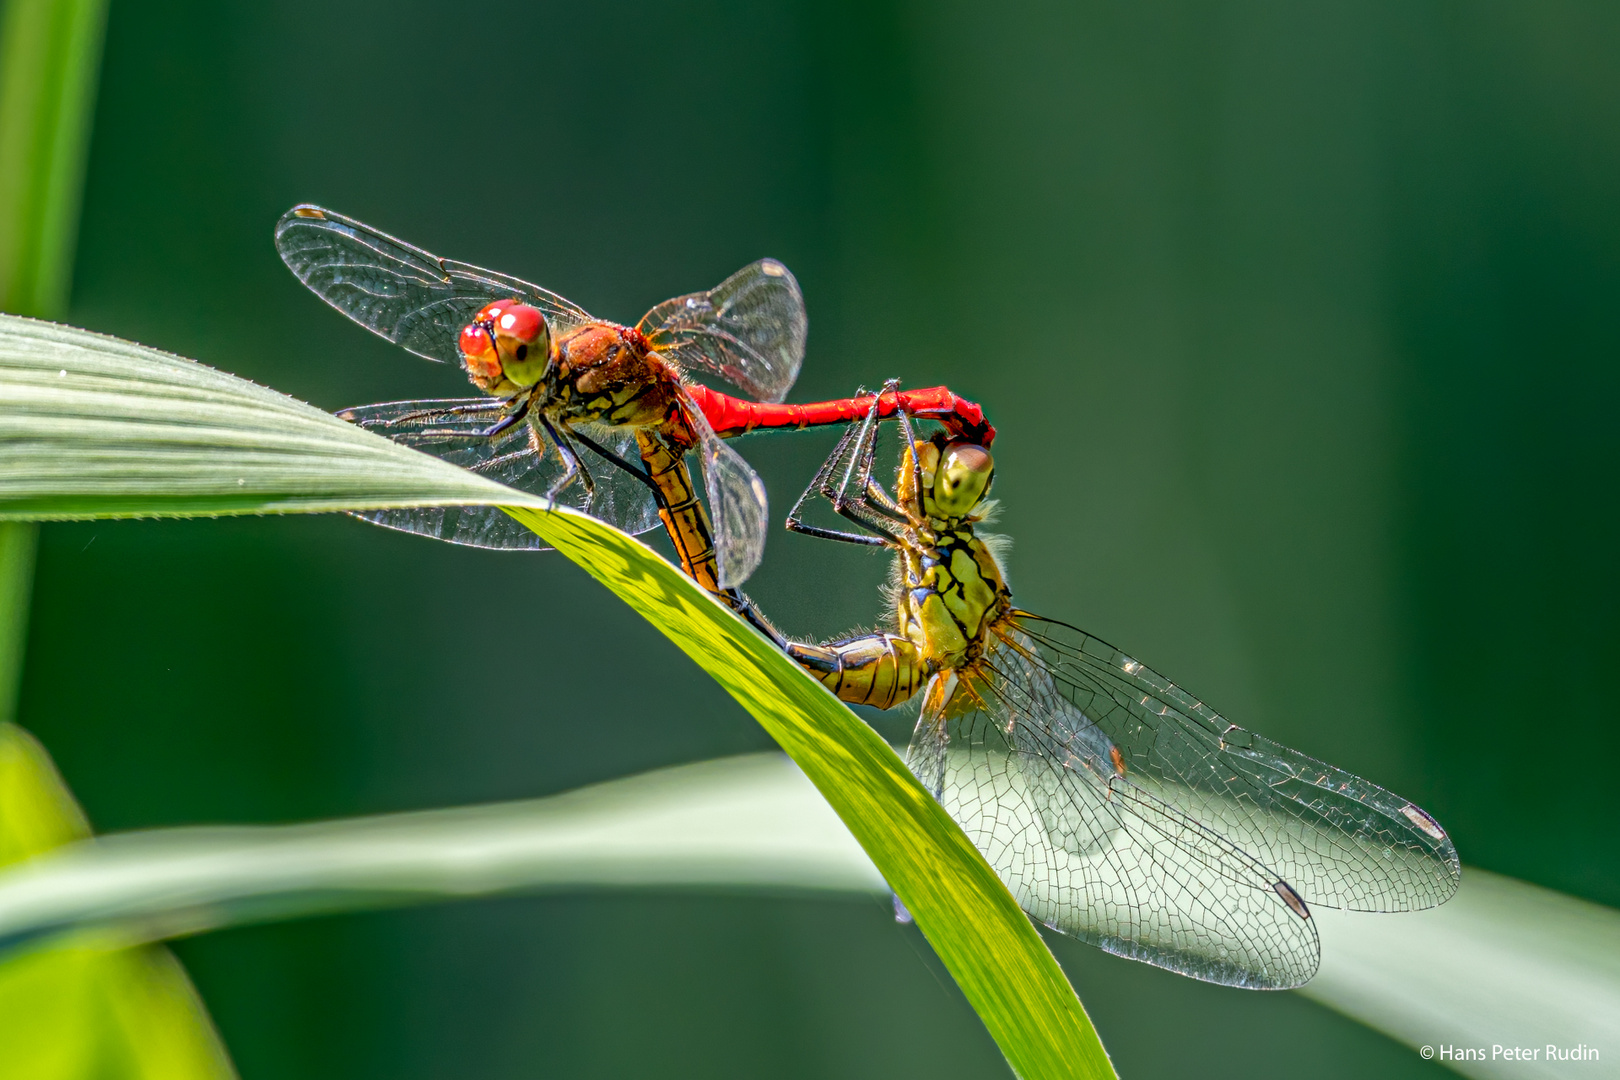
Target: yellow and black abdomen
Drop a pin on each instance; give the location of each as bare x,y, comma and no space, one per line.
684,517
881,670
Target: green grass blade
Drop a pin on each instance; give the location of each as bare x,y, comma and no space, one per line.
745,823
92,1005
50,54
94,427
958,901
1504,963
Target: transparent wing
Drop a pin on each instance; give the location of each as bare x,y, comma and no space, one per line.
1100,856
451,429
1340,840
748,330
737,502
400,292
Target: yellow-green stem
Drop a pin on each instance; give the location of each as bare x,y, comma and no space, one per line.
50,53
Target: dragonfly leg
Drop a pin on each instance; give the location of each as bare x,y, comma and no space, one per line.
859,508
916,463
880,670
822,485
608,455
505,423
573,466
422,414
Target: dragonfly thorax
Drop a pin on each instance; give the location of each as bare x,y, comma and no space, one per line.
948,593
607,374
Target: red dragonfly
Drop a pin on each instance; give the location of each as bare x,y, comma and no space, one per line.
555,376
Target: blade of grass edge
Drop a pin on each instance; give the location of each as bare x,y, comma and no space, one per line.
981,935
93,427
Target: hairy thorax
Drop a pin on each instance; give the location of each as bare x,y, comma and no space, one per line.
950,591
608,374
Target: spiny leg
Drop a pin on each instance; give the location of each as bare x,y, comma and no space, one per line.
821,485
608,455
459,410
573,466
501,426
859,508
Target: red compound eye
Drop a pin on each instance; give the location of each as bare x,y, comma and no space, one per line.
522,322
475,341
478,354
491,311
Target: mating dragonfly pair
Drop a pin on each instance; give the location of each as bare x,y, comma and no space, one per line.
1117,807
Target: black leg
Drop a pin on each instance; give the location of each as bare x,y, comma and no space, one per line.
504,424
459,410
573,466
608,455
859,508
822,485
916,463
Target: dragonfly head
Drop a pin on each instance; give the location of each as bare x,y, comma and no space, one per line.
956,475
506,347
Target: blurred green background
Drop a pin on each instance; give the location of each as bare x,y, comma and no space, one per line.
1298,321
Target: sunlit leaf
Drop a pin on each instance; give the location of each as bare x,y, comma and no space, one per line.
90,1006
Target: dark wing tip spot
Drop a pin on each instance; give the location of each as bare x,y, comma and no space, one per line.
308,211
1292,898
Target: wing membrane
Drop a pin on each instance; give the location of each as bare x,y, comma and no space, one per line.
451,429
397,291
1103,857
737,503
1340,840
749,330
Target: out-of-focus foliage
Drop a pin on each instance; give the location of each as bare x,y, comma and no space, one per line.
751,823
1541,966
1503,963
90,1007
50,52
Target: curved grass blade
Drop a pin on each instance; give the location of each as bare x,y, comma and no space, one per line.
98,1003
744,823
94,427
1506,962
1503,963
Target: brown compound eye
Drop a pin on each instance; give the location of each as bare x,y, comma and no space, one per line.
962,477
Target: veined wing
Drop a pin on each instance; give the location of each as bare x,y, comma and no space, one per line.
451,428
1093,853
1340,840
748,330
400,292
737,502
